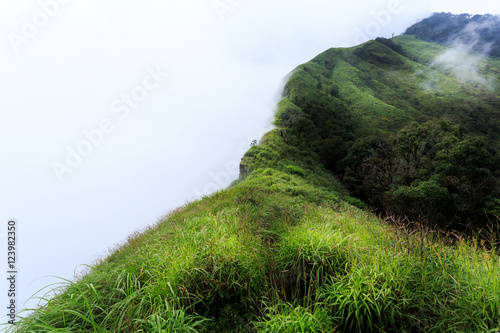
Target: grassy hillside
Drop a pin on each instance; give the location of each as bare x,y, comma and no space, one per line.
287,248
281,251
369,114
384,85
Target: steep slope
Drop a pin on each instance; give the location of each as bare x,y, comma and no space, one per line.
286,248
281,251
384,84
346,106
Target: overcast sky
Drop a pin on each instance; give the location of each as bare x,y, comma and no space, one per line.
115,112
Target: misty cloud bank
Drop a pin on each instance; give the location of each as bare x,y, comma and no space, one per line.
466,60
472,41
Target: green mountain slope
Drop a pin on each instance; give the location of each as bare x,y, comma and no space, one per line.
346,106
288,249
384,89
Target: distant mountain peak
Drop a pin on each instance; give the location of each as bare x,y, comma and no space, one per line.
478,33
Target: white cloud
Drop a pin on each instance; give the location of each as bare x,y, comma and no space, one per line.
471,7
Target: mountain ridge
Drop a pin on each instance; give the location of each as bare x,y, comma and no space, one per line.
349,105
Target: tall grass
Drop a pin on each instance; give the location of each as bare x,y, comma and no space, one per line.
249,259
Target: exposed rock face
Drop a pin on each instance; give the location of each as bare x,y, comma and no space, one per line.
243,171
